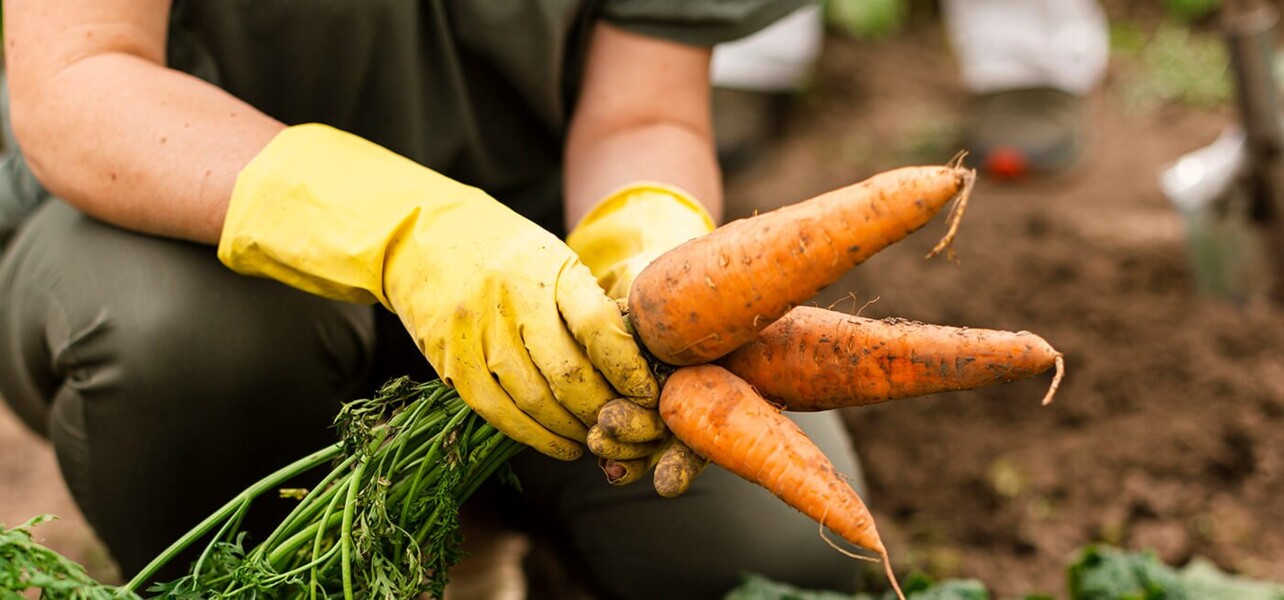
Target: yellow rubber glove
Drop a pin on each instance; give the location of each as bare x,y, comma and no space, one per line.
619,237
632,227
503,310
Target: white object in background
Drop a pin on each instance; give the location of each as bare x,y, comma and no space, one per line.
778,58
1198,179
1010,44
1206,188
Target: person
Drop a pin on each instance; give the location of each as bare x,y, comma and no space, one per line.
1028,67
406,168
755,80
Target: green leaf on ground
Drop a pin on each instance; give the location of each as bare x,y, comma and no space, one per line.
757,587
1103,573
1205,581
867,19
917,587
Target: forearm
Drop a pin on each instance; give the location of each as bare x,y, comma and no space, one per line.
136,144
669,153
642,114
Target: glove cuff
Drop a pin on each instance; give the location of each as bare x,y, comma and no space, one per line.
319,209
631,226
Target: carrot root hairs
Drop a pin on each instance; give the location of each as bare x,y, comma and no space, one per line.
1056,379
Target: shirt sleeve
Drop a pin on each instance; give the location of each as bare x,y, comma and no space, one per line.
697,22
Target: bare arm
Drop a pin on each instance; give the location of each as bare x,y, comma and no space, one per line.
107,127
643,113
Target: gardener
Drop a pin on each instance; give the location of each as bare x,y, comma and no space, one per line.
167,378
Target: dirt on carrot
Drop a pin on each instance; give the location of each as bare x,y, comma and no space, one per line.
713,294
817,359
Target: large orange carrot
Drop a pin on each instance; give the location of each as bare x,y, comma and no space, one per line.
818,359
721,417
712,294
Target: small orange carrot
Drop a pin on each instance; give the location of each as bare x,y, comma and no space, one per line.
712,294
722,419
817,359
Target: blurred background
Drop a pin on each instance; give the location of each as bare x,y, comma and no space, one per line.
1165,434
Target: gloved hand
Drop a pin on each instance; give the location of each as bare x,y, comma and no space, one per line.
503,310
619,237
633,226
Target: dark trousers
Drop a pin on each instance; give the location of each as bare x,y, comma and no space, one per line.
166,384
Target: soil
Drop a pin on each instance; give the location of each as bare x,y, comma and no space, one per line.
1165,433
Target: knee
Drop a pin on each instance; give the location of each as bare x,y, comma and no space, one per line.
701,545
637,545
114,307
793,552
248,333
196,395
757,533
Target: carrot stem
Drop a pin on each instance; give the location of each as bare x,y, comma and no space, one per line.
262,486
345,532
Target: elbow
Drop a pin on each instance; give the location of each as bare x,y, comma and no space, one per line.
46,117
56,113
31,129
37,111
52,114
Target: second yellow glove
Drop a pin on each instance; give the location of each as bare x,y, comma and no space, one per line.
618,238
633,226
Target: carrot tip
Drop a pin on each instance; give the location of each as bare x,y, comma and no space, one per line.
955,216
880,549
1056,380
891,576
840,549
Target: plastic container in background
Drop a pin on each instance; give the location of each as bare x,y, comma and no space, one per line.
1207,187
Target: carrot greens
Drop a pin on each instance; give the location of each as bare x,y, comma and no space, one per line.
26,565
381,522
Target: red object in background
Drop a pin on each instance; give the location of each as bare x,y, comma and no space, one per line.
1007,163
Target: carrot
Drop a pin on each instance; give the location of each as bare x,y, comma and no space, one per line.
816,359
712,294
721,418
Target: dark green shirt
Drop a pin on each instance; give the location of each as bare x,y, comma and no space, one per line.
479,90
